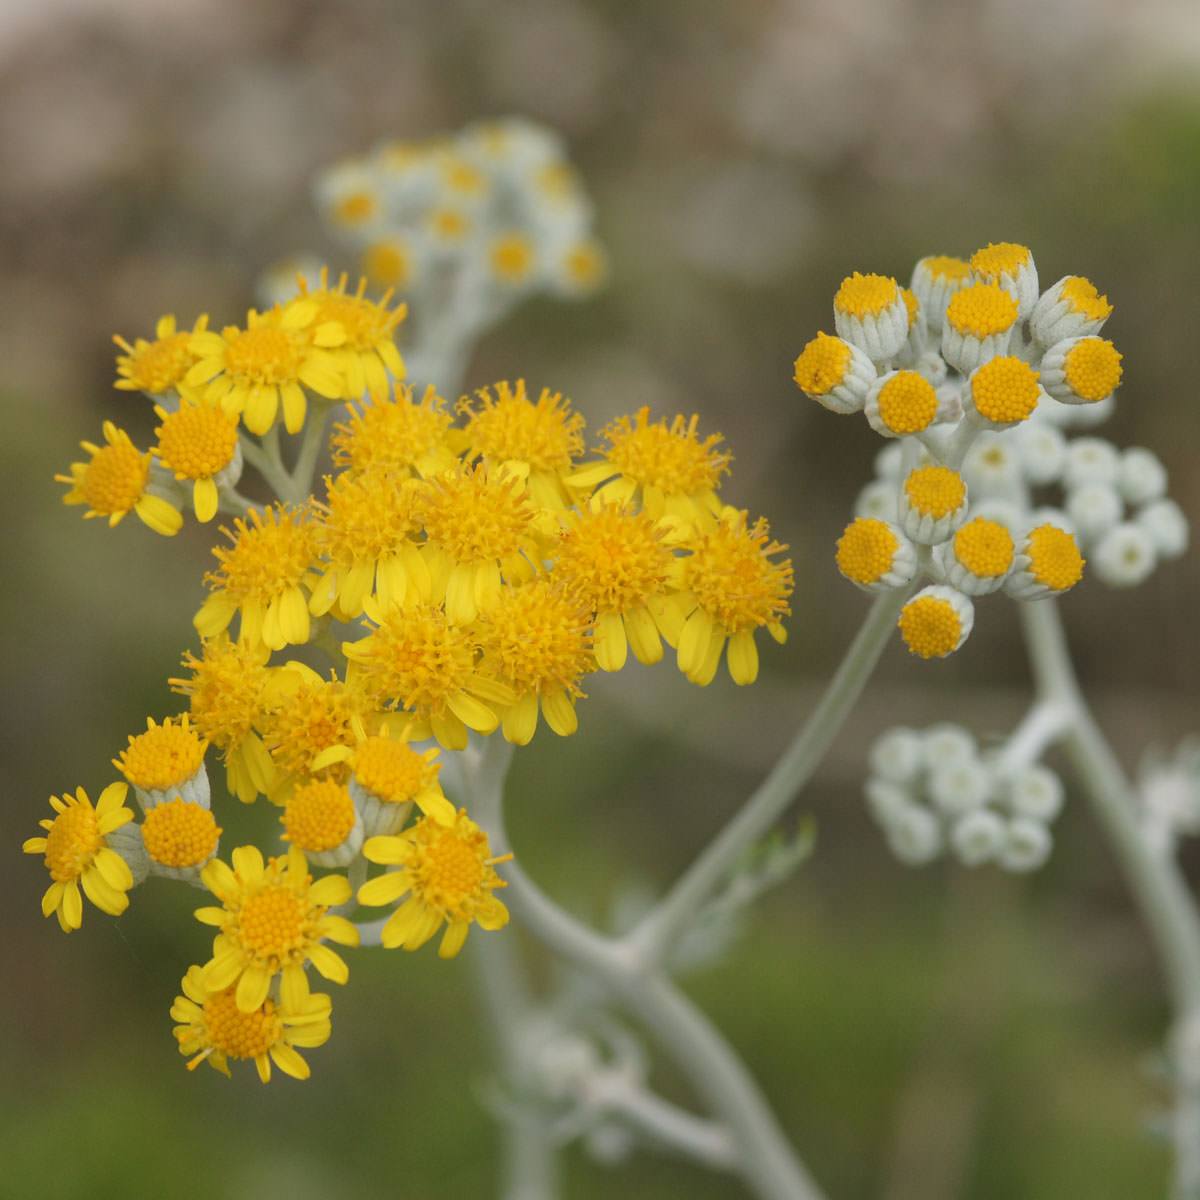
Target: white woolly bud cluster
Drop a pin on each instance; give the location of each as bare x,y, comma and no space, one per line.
933,792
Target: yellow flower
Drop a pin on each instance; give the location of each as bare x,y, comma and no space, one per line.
114,481
479,527
260,579
359,335
387,776
77,854
200,442
166,761
212,1028
180,836
666,468
449,877
157,367
620,562
228,690
273,920
399,435
418,661
537,639
535,441
367,533
730,588
253,371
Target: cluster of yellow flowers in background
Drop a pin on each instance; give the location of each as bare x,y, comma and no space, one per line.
464,571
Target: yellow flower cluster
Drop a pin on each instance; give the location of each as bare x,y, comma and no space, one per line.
463,571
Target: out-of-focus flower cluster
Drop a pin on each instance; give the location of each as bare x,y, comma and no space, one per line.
464,226
933,792
977,377
462,571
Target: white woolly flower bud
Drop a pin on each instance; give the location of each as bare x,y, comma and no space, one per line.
1090,460
1048,562
897,755
946,745
932,504
936,621
876,556
1166,526
1004,512
889,462
978,558
878,501
1125,556
1070,308
914,835
1027,844
977,837
1035,792
960,787
992,466
886,801
1010,266
1082,370
901,403
835,373
980,321
1042,450
934,280
870,313
1142,476
1094,509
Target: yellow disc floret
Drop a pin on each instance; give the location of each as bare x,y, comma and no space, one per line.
196,441
946,268
822,364
511,257
1005,389
1054,558
318,816
984,547
180,834
930,626
164,756
1093,368
935,491
980,310
527,436
865,295
907,403
866,550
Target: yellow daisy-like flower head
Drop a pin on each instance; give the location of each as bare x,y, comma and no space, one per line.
449,876
391,262
114,482
419,661
400,435
261,579
228,689
166,761
535,441
360,335
482,530
77,855
256,370
367,534
310,724
667,468
273,920
212,1028
387,776
936,621
199,442
158,367
730,587
537,638
620,562
320,818
512,257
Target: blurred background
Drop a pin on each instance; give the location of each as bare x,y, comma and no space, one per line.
923,1033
